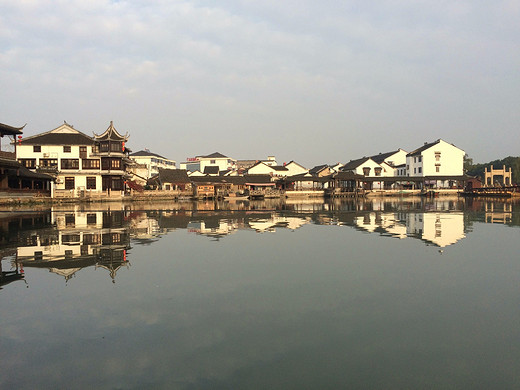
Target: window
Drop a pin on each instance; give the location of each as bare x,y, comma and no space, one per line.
91,184
83,152
48,163
415,170
69,183
420,158
91,239
111,163
37,149
91,218
95,148
90,163
70,220
66,149
377,171
366,171
212,161
437,156
116,147
437,168
420,169
69,163
103,147
28,162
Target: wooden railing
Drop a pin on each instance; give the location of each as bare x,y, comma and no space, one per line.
8,155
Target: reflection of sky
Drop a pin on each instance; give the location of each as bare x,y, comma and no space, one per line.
323,307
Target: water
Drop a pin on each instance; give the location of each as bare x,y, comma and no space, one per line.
263,295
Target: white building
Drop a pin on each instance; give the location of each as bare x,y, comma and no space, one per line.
390,161
365,166
438,158
293,168
152,161
199,163
261,168
77,161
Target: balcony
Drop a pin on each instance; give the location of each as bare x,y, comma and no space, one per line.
8,155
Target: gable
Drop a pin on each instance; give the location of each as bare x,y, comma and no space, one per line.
62,135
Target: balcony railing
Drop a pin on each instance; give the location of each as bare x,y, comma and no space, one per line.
8,155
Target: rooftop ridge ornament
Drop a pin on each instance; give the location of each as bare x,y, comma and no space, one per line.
111,133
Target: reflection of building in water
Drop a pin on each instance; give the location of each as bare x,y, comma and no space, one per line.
498,212
15,273
441,229
81,239
384,223
277,221
144,228
213,227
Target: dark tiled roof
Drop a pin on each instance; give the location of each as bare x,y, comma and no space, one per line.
9,130
211,170
214,155
424,147
317,169
50,138
111,134
379,158
279,168
145,153
258,179
173,175
14,168
353,164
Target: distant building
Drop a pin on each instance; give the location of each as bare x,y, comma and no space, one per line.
199,163
244,165
438,158
153,162
171,179
363,166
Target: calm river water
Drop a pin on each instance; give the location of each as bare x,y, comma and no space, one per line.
380,294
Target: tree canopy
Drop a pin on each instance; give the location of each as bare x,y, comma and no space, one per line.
478,169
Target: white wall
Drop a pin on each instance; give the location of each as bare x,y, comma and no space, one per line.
450,161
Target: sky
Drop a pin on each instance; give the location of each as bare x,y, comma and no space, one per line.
314,82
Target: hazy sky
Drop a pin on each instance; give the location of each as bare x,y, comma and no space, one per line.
310,81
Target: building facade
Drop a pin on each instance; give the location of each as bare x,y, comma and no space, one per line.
199,163
77,161
153,162
438,158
